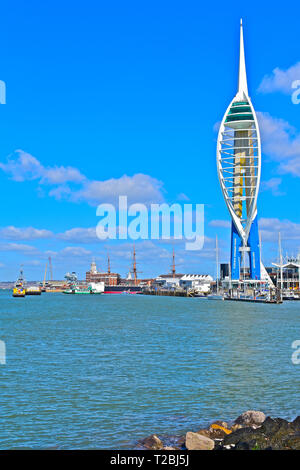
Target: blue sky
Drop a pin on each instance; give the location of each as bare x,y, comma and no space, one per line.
108,97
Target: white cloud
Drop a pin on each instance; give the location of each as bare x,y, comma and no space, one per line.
33,262
138,188
17,247
27,233
22,166
272,185
280,80
81,235
61,192
220,223
281,142
69,183
61,174
270,228
77,251
182,197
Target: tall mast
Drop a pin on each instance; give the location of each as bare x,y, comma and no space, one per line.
134,266
173,264
108,264
260,245
242,85
217,263
280,261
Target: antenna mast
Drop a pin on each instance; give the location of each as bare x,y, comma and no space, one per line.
173,264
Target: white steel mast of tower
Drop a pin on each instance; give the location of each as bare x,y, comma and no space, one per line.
280,262
242,84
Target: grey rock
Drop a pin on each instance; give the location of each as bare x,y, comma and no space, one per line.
296,424
152,442
195,441
251,418
276,434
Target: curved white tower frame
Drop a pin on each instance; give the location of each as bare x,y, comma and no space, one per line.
239,170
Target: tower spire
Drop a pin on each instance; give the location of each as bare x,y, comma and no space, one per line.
243,87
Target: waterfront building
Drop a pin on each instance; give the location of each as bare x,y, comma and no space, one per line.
201,282
286,275
168,281
109,278
184,281
239,168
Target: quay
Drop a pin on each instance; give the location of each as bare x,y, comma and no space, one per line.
257,301
170,293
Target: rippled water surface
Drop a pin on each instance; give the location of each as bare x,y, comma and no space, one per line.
104,371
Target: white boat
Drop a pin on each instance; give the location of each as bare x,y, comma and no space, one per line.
97,287
215,297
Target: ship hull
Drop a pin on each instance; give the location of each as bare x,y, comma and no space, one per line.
33,292
122,290
81,292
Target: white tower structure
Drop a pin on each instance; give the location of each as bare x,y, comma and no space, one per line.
93,269
239,168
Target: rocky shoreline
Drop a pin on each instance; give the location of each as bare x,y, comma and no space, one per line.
252,430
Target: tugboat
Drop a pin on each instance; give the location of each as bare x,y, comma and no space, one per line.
19,289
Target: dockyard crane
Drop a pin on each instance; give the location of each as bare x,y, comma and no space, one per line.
44,281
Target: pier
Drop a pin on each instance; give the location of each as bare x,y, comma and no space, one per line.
257,301
170,293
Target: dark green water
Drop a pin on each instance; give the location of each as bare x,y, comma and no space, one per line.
104,371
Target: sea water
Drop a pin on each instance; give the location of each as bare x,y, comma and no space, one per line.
104,371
